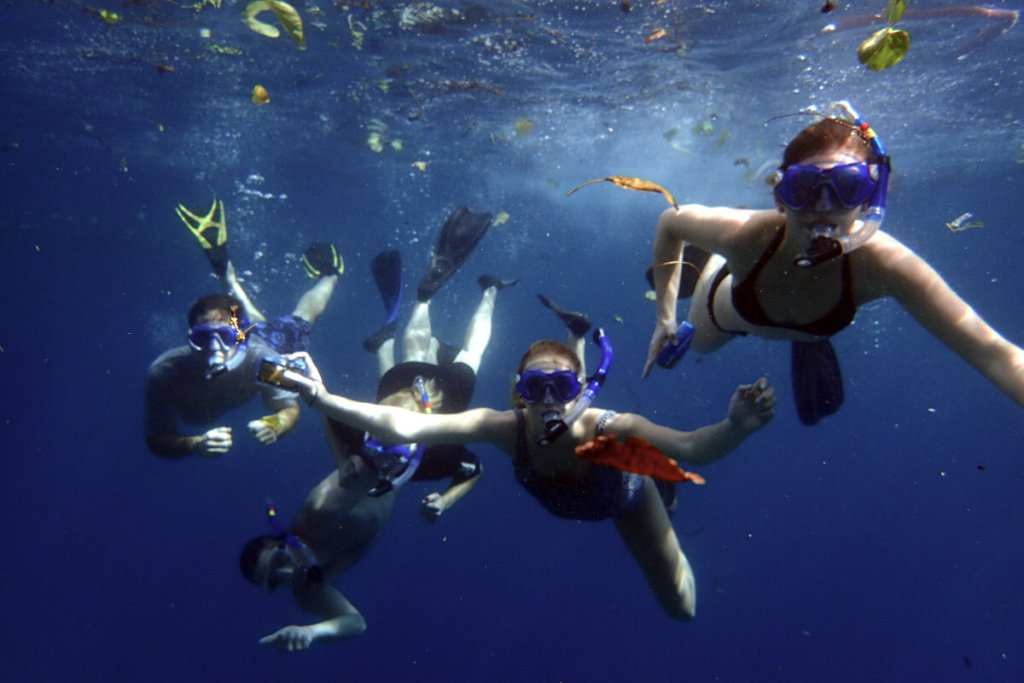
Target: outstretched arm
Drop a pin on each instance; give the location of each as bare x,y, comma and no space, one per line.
342,620
923,293
397,425
751,407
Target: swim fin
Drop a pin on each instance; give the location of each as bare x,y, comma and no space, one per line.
322,258
461,232
578,323
817,380
694,260
387,273
212,232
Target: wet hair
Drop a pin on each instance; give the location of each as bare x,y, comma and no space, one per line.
211,302
410,399
824,136
249,560
540,348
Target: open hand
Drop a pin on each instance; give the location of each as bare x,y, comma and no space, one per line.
263,432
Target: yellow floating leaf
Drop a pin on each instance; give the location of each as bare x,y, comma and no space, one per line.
421,166
523,126
502,217
260,95
250,20
631,183
290,20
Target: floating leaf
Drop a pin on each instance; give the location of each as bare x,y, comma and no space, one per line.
250,20
883,49
260,95
290,20
523,126
894,11
636,456
502,217
631,183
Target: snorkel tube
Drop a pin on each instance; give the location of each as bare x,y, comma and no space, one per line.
555,427
298,550
402,455
826,245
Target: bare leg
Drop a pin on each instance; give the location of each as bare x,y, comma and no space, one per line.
233,287
649,535
478,332
314,301
385,357
419,344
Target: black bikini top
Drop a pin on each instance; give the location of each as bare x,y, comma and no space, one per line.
746,303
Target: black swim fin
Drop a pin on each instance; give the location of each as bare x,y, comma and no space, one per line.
461,232
387,273
817,380
578,323
694,260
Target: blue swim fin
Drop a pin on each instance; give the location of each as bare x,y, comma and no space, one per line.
387,273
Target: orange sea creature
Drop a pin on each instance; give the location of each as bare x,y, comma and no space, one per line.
636,456
631,183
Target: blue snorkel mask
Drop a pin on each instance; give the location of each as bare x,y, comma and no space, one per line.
555,426
395,465
299,552
842,181
217,341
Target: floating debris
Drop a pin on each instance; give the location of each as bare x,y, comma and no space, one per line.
286,15
964,222
502,217
421,166
631,183
523,126
260,95
656,34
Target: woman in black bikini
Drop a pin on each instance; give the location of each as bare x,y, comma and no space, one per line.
799,274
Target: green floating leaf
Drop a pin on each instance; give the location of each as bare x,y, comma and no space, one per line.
895,9
883,49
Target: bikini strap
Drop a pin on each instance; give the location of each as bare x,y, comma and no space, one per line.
521,447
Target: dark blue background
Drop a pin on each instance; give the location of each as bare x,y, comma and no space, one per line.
881,545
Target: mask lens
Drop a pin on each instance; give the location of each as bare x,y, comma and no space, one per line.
852,182
798,185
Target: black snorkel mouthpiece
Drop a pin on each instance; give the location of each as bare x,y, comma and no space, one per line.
823,248
555,426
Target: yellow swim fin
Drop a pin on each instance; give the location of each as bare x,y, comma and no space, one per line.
211,231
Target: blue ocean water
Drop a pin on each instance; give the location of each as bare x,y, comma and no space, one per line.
880,545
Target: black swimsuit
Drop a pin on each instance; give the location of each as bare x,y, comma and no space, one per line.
747,305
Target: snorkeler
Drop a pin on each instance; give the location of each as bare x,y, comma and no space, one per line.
800,273
227,341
